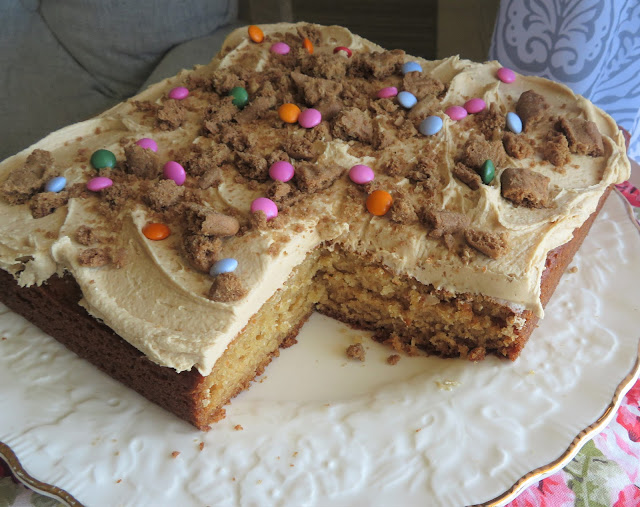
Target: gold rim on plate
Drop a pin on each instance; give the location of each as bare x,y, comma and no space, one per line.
526,480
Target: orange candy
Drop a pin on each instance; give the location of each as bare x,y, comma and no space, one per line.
289,113
156,231
379,202
256,34
308,45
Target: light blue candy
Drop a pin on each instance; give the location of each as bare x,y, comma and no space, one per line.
411,67
56,184
407,99
514,123
431,125
227,265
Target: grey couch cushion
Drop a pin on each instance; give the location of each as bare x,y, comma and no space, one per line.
63,61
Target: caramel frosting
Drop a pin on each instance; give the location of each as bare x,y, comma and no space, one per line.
158,302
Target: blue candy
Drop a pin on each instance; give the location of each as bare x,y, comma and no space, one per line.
514,123
407,99
56,184
227,265
431,125
411,67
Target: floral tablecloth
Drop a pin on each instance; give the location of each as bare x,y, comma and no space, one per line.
605,473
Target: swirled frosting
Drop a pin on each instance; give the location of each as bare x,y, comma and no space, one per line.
158,303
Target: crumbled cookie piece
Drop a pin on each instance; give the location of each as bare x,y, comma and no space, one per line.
204,220
556,149
477,150
163,194
252,166
467,175
141,162
200,161
171,115
492,244
382,136
223,80
279,191
299,148
116,196
94,257
426,107
312,178
422,85
402,211
583,136
444,222
45,203
353,123
227,288
393,359
524,187
256,109
25,181
328,108
324,65
530,108
377,64
236,139
426,174
221,112
491,122
356,351
210,178
86,236
517,146
202,251
315,89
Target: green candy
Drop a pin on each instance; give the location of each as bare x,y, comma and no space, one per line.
487,172
240,97
103,158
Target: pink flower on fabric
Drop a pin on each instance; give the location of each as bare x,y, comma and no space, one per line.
628,497
550,492
630,422
633,395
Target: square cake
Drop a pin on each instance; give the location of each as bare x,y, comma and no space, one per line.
179,239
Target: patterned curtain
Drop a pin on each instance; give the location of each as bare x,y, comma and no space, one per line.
593,46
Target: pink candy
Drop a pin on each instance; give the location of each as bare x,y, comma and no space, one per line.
266,205
456,112
99,183
147,144
506,75
475,105
174,171
388,92
179,93
280,48
281,171
309,118
361,174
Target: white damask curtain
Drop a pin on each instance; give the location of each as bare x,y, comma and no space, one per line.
593,46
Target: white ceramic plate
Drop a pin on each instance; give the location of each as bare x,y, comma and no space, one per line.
318,429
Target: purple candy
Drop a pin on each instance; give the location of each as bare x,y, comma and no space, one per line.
475,105
179,93
280,48
174,171
147,144
99,183
506,75
309,118
267,205
456,112
361,174
281,171
388,92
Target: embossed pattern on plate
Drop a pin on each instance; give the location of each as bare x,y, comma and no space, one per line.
320,429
